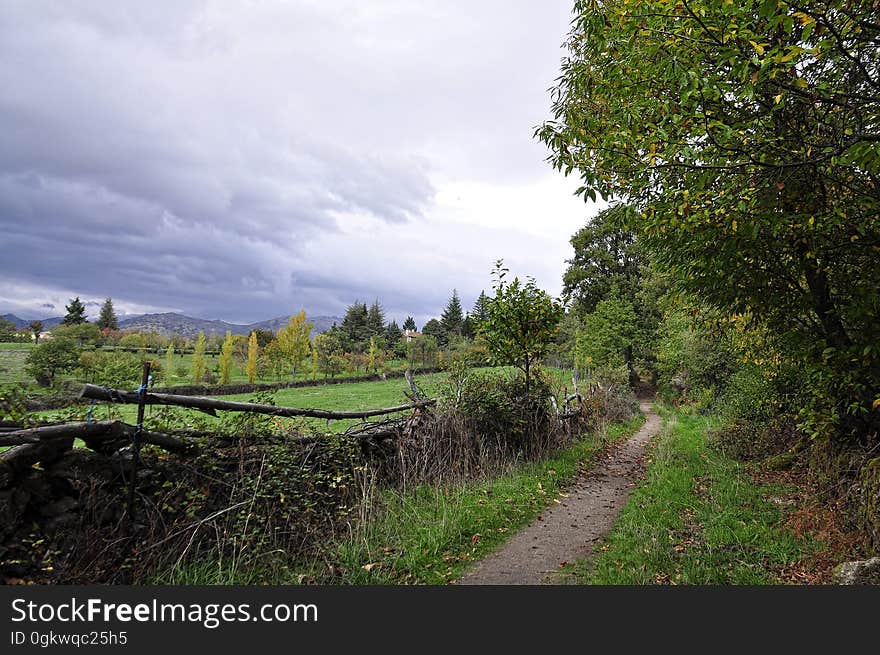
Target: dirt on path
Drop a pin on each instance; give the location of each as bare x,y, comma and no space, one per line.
568,530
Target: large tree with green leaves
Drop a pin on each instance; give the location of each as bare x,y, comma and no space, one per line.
76,312
294,340
50,358
747,134
521,323
107,318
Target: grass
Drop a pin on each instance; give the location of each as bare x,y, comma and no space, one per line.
431,534
699,518
348,396
12,356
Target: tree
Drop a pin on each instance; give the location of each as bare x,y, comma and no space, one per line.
253,354
76,312
480,311
329,349
452,318
50,358
36,328
607,336
521,323
168,364
747,135
264,337
410,324
376,355
226,352
375,319
294,339
392,334
107,318
8,330
83,333
606,260
354,326
434,329
199,366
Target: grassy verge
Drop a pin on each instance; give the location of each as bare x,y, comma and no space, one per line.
699,518
431,534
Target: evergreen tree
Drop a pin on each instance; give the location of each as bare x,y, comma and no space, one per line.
452,317
434,328
354,326
410,324
107,318
76,312
392,334
375,319
480,311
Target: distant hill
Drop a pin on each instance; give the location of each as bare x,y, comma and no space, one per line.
172,323
22,323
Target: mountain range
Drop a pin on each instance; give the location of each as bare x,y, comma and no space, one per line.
169,323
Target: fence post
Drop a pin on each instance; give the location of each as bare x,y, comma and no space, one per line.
136,439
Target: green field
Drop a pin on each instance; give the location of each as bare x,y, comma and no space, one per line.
12,356
347,396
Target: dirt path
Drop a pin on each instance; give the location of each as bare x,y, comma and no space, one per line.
568,530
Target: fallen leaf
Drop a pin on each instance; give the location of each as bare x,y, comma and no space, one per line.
371,566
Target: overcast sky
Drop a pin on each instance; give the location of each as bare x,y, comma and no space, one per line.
243,160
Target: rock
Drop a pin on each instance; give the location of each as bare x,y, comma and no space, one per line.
859,572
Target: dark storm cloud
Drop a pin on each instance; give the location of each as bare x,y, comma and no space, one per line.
185,155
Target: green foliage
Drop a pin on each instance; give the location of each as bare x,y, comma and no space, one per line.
409,324
521,324
36,328
117,370
607,335
50,358
452,319
434,329
294,340
607,260
226,352
745,133
328,345
199,365
107,318
76,312
698,519
8,331
83,333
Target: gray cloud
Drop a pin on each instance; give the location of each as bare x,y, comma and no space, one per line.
227,160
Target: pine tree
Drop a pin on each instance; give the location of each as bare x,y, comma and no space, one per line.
375,319
392,334
354,325
199,365
410,324
253,353
480,311
76,312
452,317
107,318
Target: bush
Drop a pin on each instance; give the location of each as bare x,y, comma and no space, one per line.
50,358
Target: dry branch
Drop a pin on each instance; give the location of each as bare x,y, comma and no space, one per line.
94,434
95,392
